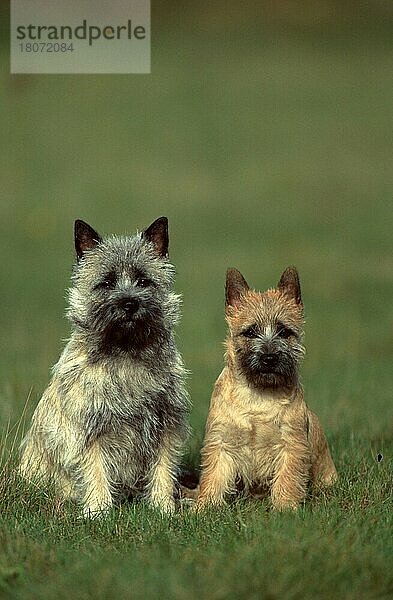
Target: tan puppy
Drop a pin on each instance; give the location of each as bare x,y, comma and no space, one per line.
259,429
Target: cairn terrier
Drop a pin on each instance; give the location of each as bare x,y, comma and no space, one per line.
114,416
259,429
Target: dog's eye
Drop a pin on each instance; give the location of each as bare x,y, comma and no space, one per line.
108,283
143,282
285,332
250,332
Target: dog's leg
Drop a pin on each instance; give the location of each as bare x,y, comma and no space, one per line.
292,473
37,465
323,471
34,463
97,497
161,483
218,476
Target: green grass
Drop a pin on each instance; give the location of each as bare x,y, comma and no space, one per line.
266,142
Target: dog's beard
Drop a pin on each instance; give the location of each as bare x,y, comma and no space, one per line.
132,334
114,330
283,374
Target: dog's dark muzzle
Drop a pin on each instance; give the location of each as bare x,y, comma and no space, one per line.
130,306
268,362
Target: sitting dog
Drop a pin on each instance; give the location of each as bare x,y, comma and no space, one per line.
259,429
114,415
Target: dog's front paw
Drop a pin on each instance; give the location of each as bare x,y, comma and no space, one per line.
283,504
208,502
165,504
328,479
95,511
89,514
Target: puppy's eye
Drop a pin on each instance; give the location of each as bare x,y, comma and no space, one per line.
143,282
250,332
285,332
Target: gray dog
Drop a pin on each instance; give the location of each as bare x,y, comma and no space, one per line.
114,416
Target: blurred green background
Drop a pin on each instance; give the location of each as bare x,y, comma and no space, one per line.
264,133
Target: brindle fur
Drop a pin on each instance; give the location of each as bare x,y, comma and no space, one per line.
114,415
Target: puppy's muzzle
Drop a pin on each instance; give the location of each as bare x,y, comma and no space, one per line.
268,362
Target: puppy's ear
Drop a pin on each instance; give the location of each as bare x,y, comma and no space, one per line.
235,288
289,284
157,233
85,237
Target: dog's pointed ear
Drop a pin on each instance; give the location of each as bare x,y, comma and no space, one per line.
289,284
235,288
157,233
85,237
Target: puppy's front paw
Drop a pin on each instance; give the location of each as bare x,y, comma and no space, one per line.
282,504
204,503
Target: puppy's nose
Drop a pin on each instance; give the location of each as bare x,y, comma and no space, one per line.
269,360
130,305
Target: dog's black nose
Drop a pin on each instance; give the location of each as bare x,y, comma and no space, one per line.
269,360
130,305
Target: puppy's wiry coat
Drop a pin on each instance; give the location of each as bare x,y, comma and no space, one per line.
259,428
114,415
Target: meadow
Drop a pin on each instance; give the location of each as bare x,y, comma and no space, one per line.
265,137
